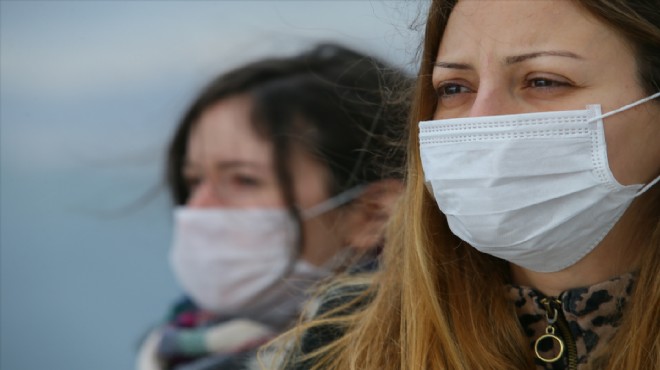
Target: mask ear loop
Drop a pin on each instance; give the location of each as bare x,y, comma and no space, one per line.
655,181
619,110
328,205
332,203
626,107
647,186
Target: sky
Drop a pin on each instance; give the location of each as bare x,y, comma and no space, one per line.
90,92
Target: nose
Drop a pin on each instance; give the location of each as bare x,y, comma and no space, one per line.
204,196
492,101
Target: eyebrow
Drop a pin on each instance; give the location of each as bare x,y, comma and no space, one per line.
552,53
452,65
512,59
224,165
238,163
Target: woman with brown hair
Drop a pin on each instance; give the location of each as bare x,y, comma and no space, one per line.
276,174
528,235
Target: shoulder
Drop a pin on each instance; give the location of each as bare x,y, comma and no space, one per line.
324,316
345,293
340,299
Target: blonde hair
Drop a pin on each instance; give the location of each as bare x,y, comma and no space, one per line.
438,304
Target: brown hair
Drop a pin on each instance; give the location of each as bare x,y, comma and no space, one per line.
343,107
438,304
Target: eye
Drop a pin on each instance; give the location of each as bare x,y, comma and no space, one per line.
450,89
545,83
453,94
247,181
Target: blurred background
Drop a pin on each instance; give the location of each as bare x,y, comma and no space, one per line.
90,92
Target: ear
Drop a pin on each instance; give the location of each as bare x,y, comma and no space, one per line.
367,215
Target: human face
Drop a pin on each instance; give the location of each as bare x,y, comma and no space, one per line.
228,165
508,57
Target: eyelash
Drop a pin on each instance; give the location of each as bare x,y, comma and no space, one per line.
529,83
241,180
552,84
247,181
440,90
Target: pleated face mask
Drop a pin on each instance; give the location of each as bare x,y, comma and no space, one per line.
534,189
241,261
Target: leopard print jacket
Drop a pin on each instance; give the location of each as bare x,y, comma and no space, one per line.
586,320
582,320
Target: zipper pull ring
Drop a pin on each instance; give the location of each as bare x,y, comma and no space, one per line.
549,334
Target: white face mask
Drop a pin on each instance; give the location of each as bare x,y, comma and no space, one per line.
533,189
233,261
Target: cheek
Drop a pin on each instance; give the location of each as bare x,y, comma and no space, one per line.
310,183
632,145
322,240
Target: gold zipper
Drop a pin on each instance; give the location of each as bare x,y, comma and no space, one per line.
564,340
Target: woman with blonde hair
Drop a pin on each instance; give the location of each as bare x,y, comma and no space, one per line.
528,235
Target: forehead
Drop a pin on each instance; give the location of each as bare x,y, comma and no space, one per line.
509,26
225,132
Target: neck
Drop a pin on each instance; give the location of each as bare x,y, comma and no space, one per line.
615,255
